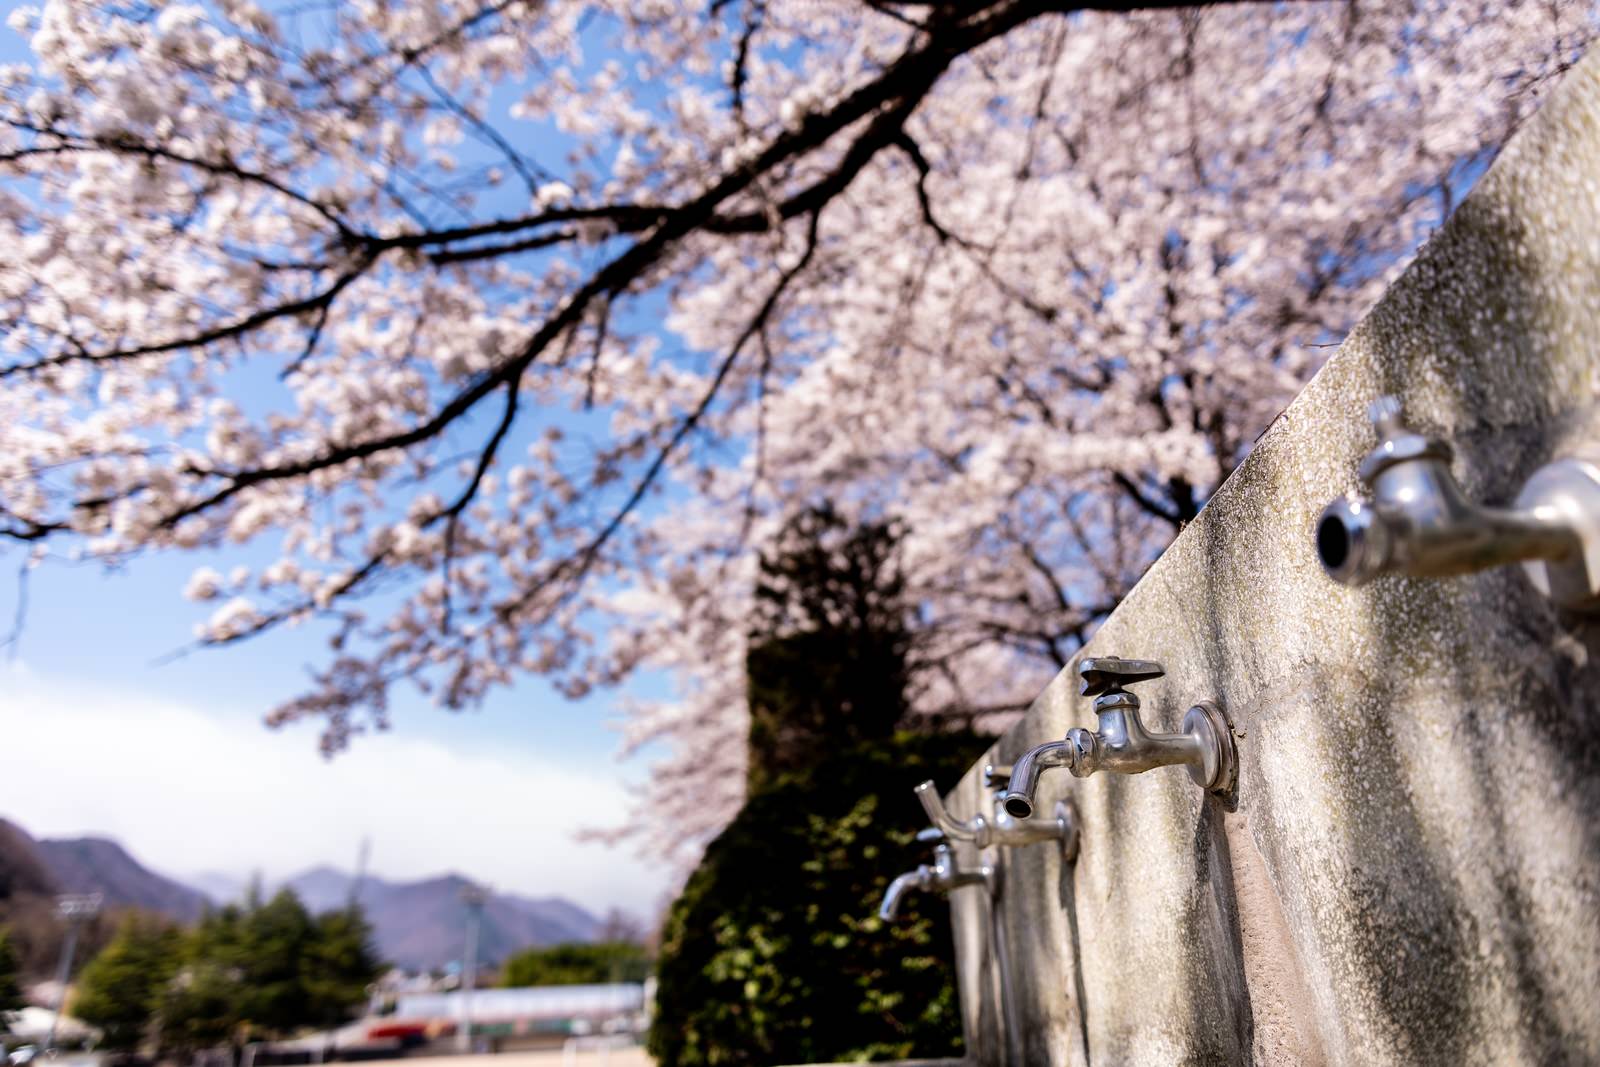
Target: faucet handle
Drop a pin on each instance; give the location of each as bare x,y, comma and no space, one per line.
1385,414
1396,441
1106,674
931,833
996,775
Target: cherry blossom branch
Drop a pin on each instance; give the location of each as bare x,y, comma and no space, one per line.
75,142
577,566
317,302
900,87
1041,233
452,514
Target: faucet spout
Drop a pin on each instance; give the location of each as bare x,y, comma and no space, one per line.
944,875
974,829
1000,828
1025,772
1417,521
889,910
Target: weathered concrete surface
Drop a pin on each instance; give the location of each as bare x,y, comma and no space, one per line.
1412,874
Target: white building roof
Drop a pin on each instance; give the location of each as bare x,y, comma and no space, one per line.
533,1002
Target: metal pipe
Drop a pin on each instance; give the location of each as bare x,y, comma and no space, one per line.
76,909
1010,1020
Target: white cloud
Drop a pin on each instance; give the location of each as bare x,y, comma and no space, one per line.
187,789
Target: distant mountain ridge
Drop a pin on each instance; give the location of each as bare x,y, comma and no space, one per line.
100,865
47,866
23,871
417,925
422,925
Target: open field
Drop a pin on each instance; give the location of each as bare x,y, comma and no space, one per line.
629,1057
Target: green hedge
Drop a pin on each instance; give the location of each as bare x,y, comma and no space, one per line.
774,952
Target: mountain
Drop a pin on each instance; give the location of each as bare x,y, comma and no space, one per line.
43,868
422,925
100,865
417,925
325,888
218,886
22,870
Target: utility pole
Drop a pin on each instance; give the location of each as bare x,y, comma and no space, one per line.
75,909
361,872
474,897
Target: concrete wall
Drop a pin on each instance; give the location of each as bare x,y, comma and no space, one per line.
1412,874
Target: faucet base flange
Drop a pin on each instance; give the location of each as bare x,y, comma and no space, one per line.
1570,490
1067,824
1218,771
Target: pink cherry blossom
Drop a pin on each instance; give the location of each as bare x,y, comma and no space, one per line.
542,317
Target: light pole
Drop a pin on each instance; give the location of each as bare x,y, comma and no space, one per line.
474,897
76,909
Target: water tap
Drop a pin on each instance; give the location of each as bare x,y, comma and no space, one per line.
1416,520
1000,827
1122,745
942,876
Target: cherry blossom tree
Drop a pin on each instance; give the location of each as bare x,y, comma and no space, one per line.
514,330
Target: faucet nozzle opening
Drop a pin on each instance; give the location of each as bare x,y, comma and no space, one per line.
1333,542
1019,807
1352,542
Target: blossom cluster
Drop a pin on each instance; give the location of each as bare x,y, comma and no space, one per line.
516,329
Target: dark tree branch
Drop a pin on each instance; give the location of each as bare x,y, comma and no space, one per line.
452,514
318,302
73,142
1146,503
527,244
602,328
577,566
913,151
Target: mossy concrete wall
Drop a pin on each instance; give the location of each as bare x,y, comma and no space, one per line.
1412,874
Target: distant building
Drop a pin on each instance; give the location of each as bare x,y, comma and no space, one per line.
32,1024
537,1011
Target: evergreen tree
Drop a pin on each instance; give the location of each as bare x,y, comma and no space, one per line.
773,953
577,964
340,965
827,660
273,954
121,988
10,986
202,1004
268,969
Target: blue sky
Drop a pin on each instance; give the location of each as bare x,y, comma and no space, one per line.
96,647
115,736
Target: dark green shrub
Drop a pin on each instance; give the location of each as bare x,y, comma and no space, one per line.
577,963
774,952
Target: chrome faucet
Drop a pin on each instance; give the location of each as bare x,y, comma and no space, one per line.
1417,521
1122,745
1001,828
942,876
